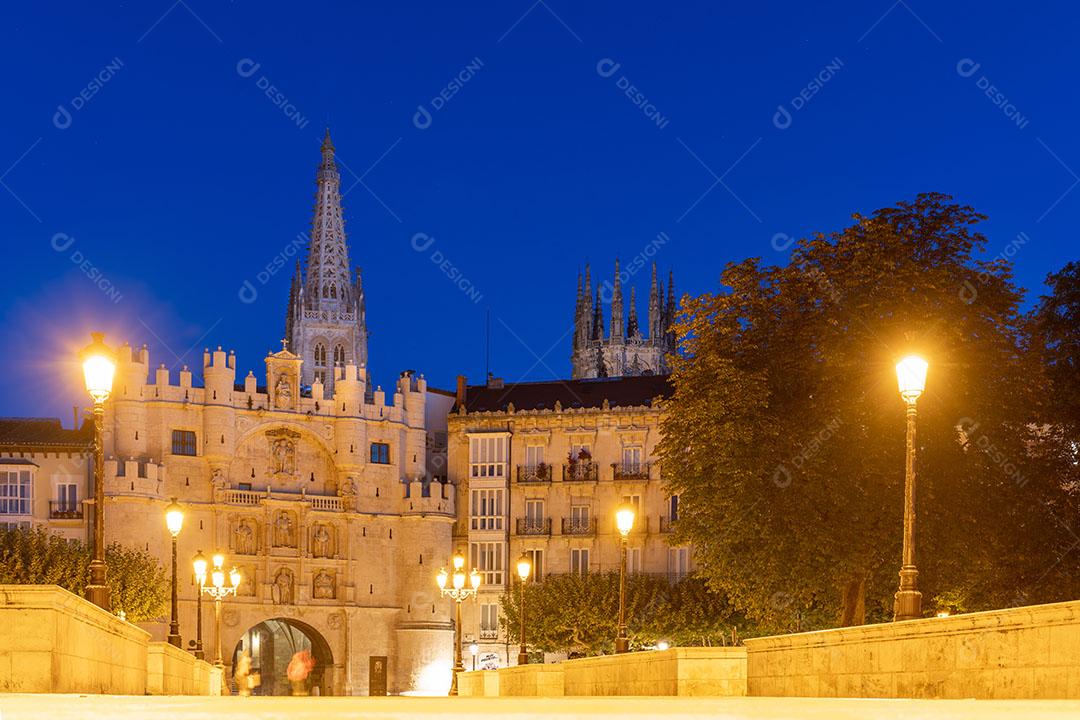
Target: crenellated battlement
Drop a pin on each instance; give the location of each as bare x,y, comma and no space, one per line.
428,498
134,476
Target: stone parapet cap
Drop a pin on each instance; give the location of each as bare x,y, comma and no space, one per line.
54,597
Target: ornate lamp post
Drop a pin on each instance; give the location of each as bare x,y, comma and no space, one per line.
624,521
174,520
457,592
99,367
524,568
911,378
219,591
199,564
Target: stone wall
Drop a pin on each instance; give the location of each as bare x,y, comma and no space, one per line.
709,671
715,672
52,641
1027,652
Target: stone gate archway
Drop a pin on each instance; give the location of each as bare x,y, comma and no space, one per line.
272,644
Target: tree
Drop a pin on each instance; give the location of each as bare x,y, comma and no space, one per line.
579,613
785,434
138,584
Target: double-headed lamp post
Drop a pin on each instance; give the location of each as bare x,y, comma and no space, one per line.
453,586
219,591
200,565
174,520
911,379
99,367
524,568
624,521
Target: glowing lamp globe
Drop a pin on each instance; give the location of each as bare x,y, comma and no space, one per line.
174,517
474,579
234,577
624,520
524,567
219,561
459,561
459,580
200,565
99,368
474,649
218,578
911,377
441,578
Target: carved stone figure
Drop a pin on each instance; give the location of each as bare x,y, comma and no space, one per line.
247,582
218,484
245,537
283,453
324,586
347,491
283,587
322,541
283,393
284,530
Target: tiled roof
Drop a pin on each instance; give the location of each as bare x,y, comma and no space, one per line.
619,392
43,432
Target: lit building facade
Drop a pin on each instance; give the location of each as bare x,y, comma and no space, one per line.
539,469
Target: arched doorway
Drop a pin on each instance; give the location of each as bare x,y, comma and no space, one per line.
272,643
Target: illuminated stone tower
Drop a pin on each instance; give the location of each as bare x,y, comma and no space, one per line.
626,350
325,323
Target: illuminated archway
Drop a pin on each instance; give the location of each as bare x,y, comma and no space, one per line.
272,644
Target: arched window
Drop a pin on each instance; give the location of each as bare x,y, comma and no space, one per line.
325,291
339,355
320,355
333,291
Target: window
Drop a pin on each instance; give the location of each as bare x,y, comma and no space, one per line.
24,525
577,450
534,455
678,563
487,456
534,512
579,561
320,376
15,492
489,621
183,442
633,501
487,557
320,355
339,355
631,459
633,560
380,453
67,495
673,508
536,557
487,509
579,515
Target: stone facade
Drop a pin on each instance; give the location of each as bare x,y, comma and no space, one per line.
628,349
540,468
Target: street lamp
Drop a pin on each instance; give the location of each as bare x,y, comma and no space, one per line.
218,590
474,650
174,520
624,521
524,567
911,379
457,592
199,564
99,367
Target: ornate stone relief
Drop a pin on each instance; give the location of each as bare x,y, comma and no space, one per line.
322,540
324,585
246,536
285,529
282,591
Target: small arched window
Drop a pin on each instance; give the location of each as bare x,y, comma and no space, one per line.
339,355
333,291
320,355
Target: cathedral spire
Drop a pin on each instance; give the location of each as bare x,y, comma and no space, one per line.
598,318
616,305
669,310
631,323
654,306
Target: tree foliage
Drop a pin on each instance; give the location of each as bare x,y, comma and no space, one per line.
580,613
785,434
138,584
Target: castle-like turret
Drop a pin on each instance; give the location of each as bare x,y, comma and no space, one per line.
627,350
325,323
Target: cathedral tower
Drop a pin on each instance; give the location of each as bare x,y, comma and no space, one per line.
627,349
326,324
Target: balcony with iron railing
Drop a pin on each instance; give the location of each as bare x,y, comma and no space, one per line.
580,471
65,510
630,471
578,526
534,473
489,633
533,526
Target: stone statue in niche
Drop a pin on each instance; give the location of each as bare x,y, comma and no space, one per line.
324,586
218,484
283,398
283,587
347,491
322,541
283,453
284,530
247,581
246,537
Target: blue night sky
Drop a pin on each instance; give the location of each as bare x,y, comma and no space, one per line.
139,151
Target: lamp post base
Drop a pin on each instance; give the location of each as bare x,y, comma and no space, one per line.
97,591
622,645
453,682
523,658
907,604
